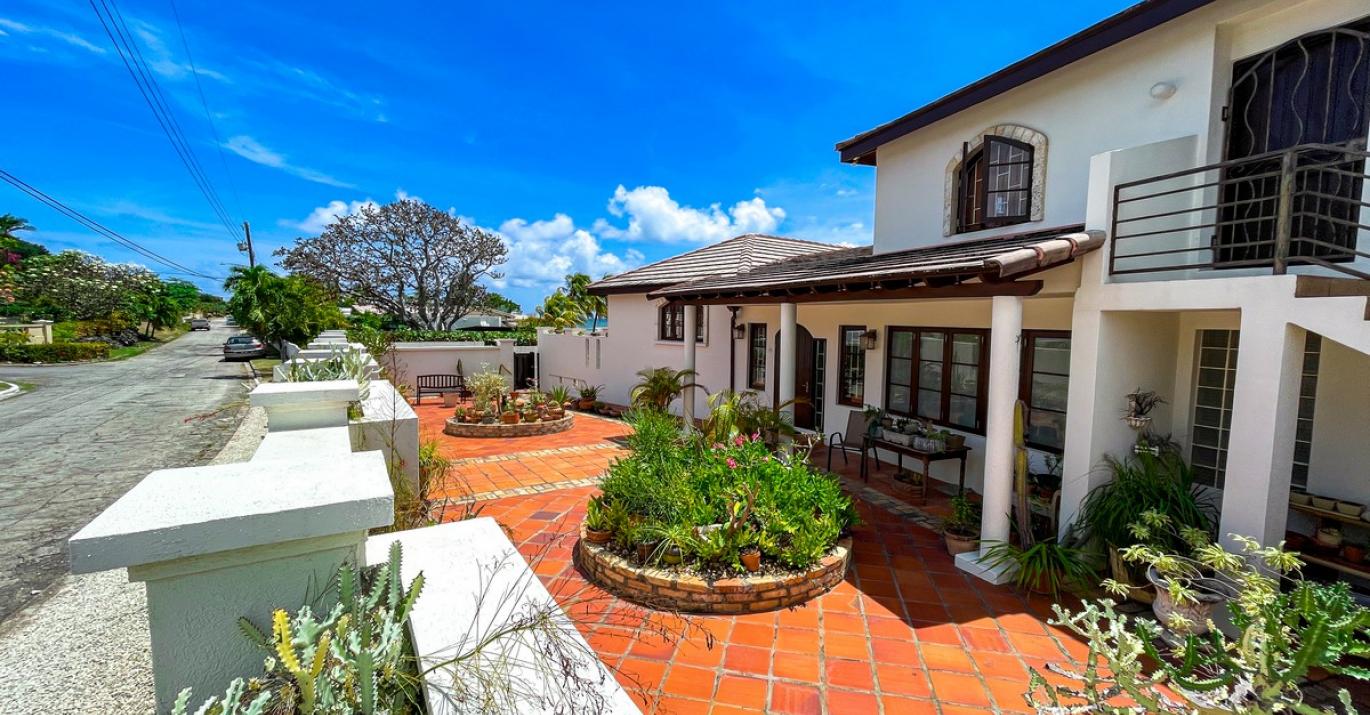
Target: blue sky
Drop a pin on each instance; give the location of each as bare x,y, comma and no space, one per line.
594,137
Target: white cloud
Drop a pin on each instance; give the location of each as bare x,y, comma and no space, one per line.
8,26
542,253
654,216
322,216
252,150
165,62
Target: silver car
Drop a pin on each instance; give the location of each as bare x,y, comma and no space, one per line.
199,324
243,347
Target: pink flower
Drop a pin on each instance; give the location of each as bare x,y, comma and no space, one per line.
739,440
732,463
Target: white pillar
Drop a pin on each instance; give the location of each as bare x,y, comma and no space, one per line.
1006,327
784,355
687,400
1260,447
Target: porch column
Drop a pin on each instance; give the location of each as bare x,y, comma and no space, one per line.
687,400
1260,448
784,355
1006,327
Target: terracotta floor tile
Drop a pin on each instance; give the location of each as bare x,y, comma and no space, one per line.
641,673
844,702
796,640
795,699
1035,646
946,657
1008,695
753,634
985,639
999,665
746,659
805,616
796,666
899,705
681,706
943,633
843,623
742,691
958,688
844,645
852,674
902,680
895,652
690,682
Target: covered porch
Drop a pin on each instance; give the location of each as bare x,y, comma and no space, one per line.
953,335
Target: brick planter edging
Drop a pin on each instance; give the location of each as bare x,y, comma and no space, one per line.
676,590
522,429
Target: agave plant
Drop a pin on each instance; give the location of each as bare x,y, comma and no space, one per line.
343,363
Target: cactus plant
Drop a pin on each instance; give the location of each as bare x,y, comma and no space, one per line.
1021,509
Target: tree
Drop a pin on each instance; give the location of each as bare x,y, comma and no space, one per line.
559,311
578,290
9,223
74,284
499,302
415,261
280,309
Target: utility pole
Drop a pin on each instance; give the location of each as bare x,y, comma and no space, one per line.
247,246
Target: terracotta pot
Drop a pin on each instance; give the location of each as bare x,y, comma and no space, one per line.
959,544
644,551
569,404
585,404
1353,553
509,418
598,536
956,441
751,560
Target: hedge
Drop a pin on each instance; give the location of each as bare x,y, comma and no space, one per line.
56,352
526,336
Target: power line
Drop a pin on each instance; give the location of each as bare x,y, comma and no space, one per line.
99,228
204,104
122,39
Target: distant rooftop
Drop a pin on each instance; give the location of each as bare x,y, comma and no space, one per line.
727,258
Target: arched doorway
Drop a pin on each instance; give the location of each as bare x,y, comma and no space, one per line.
808,378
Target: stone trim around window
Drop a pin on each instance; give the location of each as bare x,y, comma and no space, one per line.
1032,137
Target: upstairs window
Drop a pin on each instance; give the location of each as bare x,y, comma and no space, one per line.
995,184
672,320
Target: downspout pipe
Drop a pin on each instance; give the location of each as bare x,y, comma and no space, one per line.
732,347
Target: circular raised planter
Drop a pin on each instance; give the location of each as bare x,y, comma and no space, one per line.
522,429
678,590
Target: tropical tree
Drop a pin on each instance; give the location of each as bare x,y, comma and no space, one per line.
156,307
499,302
9,223
559,311
578,290
280,309
415,261
660,386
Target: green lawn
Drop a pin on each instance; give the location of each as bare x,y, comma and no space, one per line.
263,367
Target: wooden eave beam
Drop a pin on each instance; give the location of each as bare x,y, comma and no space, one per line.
960,290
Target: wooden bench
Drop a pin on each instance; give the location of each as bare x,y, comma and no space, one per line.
927,458
440,385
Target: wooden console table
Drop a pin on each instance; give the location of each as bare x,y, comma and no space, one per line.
927,458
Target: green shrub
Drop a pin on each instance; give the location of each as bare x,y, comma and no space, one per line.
522,336
56,352
712,500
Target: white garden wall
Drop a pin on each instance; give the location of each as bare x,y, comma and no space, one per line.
407,361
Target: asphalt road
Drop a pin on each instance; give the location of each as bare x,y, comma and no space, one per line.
89,432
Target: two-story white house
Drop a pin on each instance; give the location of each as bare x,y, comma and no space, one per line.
1172,199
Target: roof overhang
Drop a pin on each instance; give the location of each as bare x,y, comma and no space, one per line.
972,269
1133,21
625,289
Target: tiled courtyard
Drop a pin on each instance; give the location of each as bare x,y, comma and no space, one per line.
905,633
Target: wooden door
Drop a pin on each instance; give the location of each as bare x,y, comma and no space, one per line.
803,378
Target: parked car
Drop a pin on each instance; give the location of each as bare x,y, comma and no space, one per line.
243,347
230,322
199,324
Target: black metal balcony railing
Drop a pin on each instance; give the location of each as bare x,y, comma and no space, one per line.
1298,206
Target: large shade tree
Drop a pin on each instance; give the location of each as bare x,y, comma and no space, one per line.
280,309
415,261
78,285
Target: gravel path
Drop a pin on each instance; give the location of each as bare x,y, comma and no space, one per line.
83,647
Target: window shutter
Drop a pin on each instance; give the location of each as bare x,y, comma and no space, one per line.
1006,192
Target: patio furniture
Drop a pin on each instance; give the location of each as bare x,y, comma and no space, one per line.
927,458
853,439
440,385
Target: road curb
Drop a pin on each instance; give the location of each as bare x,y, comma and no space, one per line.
10,391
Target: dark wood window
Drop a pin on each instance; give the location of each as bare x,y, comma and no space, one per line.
1042,387
851,371
673,323
1215,387
938,374
756,356
995,185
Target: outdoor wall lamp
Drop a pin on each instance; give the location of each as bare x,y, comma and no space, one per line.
868,339
1163,90
739,331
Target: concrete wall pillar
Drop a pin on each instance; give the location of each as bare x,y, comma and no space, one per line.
305,405
687,400
1260,448
1006,327
784,355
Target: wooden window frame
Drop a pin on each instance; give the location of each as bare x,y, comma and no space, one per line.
756,381
978,159
944,409
1025,380
842,357
663,323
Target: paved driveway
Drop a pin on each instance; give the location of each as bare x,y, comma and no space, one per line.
88,433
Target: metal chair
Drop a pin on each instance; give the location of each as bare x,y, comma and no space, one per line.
852,439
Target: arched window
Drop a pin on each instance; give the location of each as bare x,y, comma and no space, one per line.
994,185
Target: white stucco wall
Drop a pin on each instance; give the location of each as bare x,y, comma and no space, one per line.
1099,104
409,360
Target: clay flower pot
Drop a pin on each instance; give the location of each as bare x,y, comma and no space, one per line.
960,543
751,559
1355,553
598,536
644,551
585,404
509,418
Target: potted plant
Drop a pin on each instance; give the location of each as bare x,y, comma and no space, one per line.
645,540
560,396
750,556
1140,403
1187,589
676,540
509,417
588,395
460,414
873,415
599,407
1045,567
961,529
597,526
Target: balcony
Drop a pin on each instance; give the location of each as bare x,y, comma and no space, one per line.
1296,210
